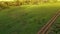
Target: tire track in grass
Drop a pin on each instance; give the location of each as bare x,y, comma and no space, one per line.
45,28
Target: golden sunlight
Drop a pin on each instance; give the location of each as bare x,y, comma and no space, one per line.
6,0
58,0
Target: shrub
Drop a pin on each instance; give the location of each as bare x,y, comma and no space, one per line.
3,6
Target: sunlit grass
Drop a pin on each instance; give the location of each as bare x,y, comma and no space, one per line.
26,19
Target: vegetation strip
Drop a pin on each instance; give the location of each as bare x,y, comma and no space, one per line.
49,23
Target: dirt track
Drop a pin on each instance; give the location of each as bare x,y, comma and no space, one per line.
45,28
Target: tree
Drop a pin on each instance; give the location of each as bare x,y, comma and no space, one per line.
17,2
55,0
52,0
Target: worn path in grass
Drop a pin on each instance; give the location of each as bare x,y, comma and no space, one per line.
49,24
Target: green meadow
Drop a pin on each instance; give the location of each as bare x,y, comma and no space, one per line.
26,19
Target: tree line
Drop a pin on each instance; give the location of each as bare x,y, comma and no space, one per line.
4,4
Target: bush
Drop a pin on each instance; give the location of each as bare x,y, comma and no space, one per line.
3,6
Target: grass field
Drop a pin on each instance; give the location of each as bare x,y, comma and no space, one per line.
26,19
